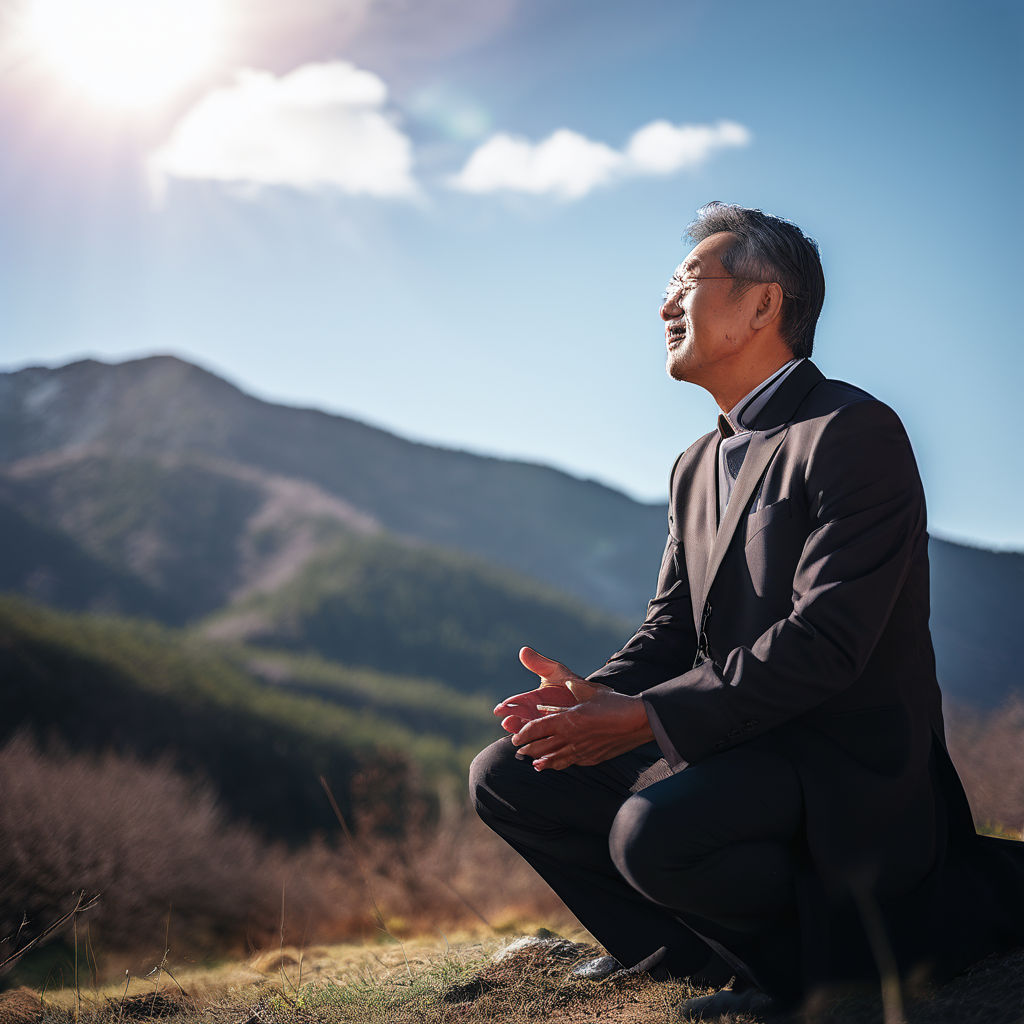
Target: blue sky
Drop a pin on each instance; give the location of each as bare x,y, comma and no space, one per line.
455,219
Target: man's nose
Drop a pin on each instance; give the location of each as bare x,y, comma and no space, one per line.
670,308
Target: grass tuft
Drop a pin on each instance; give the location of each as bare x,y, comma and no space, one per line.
471,982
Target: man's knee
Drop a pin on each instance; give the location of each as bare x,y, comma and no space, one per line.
687,862
639,844
496,779
656,852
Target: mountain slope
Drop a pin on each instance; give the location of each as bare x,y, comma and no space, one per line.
49,566
513,513
99,683
197,531
410,609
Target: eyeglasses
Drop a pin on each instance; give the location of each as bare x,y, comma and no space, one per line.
675,286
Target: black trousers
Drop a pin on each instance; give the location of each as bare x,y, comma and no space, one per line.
672,872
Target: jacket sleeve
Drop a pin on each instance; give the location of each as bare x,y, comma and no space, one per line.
866,524
666,642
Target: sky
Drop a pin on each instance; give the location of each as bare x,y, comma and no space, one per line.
456,218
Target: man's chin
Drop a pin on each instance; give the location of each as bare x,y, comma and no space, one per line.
676,368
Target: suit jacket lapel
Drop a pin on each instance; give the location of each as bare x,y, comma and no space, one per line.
762,447
770,429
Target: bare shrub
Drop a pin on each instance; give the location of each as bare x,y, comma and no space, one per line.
988,751
150,841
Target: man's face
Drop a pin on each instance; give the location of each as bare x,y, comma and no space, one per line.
705,324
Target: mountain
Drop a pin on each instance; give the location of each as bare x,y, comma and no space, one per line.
193,532
154,488
73,418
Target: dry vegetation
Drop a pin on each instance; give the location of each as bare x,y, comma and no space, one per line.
157,849
469,981
174,874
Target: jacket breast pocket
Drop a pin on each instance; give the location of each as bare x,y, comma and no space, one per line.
764,517
771,549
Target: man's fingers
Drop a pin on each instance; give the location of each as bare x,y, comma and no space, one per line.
528,705
520,702
512,723
538,729
559,759
546,668
511,702
543,747
551,671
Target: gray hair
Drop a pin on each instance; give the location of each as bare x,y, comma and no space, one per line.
770,249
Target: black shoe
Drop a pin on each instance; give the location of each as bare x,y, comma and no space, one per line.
597,969
710,1008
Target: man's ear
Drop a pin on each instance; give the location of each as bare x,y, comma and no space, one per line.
769,305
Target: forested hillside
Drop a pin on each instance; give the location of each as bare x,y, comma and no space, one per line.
245,721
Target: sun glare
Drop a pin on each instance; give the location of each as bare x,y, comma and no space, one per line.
129,54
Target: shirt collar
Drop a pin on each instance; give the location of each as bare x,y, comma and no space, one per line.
745,411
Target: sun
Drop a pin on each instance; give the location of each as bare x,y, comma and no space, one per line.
129,54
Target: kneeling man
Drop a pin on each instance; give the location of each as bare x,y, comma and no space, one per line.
757,783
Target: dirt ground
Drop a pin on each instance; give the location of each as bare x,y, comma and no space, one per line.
470,980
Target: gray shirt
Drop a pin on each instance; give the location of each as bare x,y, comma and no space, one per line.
736,434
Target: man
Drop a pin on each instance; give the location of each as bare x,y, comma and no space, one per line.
757,783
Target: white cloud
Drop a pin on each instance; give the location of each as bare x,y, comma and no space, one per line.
569,165
319,126
565,164
663,148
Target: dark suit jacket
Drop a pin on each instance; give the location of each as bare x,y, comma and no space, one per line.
803,619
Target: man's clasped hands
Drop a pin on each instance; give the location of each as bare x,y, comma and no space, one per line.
567,720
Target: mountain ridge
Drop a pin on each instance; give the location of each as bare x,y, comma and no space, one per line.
438,495
188,491
455,449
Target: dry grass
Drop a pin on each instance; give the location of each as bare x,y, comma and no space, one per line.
429,980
